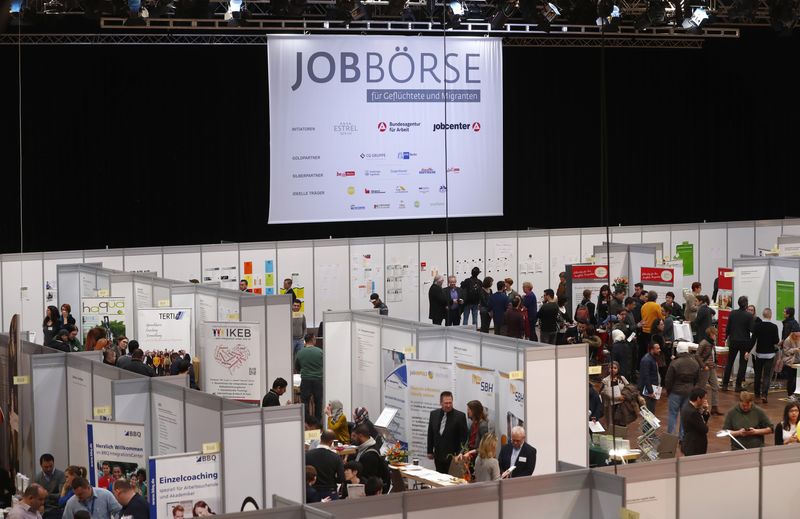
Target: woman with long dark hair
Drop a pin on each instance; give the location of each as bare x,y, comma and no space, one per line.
603,300
786,430
50,324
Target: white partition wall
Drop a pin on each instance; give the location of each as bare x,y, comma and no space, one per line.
402,277
541,401
533,252
565,249
258,267
182,263
469,250
767,232
564,495
630,235
696,474
366,272
220,264
779,465
167,419
659,234
338,332
366,374
108,258
640,256
741,240
433,257
432,344
132,405
144,260
651,489
573,404
501,257
79,407
331,279
591,238
49,381
295,261
714,253
243,427
478,500
279,339
283,448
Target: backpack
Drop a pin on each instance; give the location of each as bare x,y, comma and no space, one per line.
472,288
582,313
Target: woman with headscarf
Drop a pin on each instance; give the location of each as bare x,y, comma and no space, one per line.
621,353
337,422
361,417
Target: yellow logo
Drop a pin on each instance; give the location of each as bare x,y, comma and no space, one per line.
351,190
513,388
476,379
430,375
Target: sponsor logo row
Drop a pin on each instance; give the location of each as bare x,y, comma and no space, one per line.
350,128
402,204
453,170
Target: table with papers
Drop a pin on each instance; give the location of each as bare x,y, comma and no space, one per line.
427,476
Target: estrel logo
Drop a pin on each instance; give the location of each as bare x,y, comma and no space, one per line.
345,128
345,173
381,126
351,190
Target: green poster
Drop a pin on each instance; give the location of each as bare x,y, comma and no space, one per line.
685,251
784,296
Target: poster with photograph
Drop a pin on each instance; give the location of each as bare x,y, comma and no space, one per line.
185,485
511,402
165,329
233,361
106,312
117,445
426,381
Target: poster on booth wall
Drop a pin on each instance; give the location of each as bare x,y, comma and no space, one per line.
659,279
105,312
395,394
190,483
511,405
474,383
232,360
585,277
724,288
115,443
165,329
426,381
685,252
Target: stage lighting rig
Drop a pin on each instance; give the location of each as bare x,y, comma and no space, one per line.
783,16
694,24
608,14
656,14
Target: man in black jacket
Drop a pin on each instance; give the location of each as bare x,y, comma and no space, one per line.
694,417
517,454
790,324
740,324
368,454
548,315
766,342
272,398
471,289
455,302
330,469
137,366
437,300
447,431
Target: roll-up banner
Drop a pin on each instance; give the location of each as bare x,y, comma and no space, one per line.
233,363
190,483
165,329
106,312
426,381
474,383
511,405
357,125
659,279
117,444
585,277
395,394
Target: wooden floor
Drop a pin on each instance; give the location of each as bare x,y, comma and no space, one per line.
774,409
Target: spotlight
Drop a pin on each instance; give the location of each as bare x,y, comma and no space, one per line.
695,23
608,14
455,13
744,10
236,13
134,13
502,15
656,14
53,7
349,10
540,13
782,16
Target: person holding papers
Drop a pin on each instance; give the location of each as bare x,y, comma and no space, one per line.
648,376
517,454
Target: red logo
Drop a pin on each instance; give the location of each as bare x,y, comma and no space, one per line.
381,126
476,126
345,173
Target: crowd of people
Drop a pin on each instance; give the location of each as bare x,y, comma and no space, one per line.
60,333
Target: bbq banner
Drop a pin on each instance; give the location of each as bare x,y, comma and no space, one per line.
359,126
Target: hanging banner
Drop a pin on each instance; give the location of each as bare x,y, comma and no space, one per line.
659,279
105,312
511,405
426,381
232,360
395,394
474,383
118,444
165,329
185,485
357,125
685,252
585,277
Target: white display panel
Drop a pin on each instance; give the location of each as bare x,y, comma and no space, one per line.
773,489
337,363
484,510
654,499
534,262
572,410
713,254
557,505
741,499
464,351
690,234
331,268
79,408
228,309
402,279
468,252
279,342
432,261
502,359
240,485
790,227
589,239
148,262
366,371
168,425
501,258
283,444
540,402
767,233
659,234
258,268
32,296
110,258
381,156
741,240
431,345
366,274
565,249
49,381
753,282
221,264
637,261
296,262
182,264
51,262
629,235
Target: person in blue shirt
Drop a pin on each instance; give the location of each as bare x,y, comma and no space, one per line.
648,375
99,502
498,303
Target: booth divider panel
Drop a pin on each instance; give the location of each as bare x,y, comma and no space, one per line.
741,240
565,249
279,356
713,253
501,257
258,261
590,240
767,232
297,263
540,407
49,383
221,257
331,280
533,253
79,409
389,506
12,283
366,274
627,235
469,250
573,404
242,484
183,265
367,383
202,426
148,262
283,448
337,362
402,280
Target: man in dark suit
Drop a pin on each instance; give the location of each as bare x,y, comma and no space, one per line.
447,431
438,301
455,301
518,454
694,417
737,333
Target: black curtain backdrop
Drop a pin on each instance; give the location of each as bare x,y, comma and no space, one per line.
163,145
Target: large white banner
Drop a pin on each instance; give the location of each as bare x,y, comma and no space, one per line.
395,394
190,483
511,402
359,127
233,364
474,383
105,312
118,444
426,380
366,365
164,329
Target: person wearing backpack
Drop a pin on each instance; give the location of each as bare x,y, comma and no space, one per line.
471,287
585,311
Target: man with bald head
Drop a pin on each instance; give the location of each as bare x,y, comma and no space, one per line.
517,453
32,501
437,299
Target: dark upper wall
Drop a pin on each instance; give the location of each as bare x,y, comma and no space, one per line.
137,145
